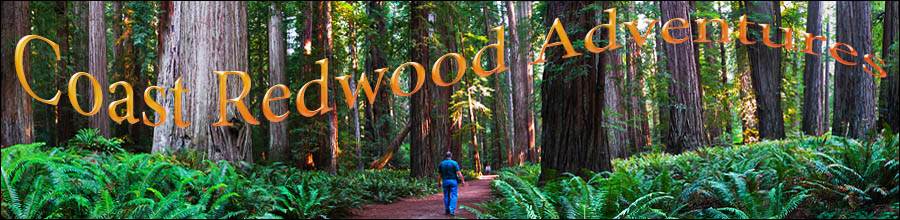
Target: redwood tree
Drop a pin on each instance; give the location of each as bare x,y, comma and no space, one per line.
65,122
278,136
420,103
197,39
97,64
890,90
854,89
613,92
323,47
765,68
379,127
17,122
686,129
638,127
442,94
813,77
521,75
573,136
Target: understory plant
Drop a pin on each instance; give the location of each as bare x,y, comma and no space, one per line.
75,182
825,177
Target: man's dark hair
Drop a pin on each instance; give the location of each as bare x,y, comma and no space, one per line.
448,154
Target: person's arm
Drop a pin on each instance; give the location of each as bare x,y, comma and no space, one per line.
458,173
440,178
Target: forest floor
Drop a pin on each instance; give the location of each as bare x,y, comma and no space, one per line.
432,207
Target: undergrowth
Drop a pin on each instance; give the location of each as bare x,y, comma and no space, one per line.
822,177
95,179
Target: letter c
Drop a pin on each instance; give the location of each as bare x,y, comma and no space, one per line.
20,72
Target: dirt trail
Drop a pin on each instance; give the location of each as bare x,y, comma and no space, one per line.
431,207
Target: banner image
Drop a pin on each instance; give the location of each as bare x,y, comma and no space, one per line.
450,109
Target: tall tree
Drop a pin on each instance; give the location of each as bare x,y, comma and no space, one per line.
520,74
420,103
65,124
686,128
97,63
813,77
828,75
502,144
79,56
278,136
573,138
765,68
17,119
442,94
661,74
322,41
854,89
197,39
890,92
638,127
354,67
378,117
613,92
726,105
509,127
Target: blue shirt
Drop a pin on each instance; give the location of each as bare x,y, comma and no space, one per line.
448,169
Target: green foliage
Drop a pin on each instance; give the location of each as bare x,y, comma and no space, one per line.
302,202
470,175
74,183
826,177
87,139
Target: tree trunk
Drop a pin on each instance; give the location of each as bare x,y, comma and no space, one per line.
696,46
442,94
199,38
523,79
65,129
610,63
765,69
17,119
117,37
329,150
420,103
638,128
476,147
391,149
512,158
686,129
828,91
354,66
79,57
854,93
278,136
890,90
573,138
662,116
379,121
97,64
726,105
814,81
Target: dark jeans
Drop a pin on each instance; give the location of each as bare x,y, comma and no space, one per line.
450,187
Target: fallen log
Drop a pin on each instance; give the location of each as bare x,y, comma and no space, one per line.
392,148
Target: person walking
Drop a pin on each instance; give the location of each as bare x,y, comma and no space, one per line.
450,175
